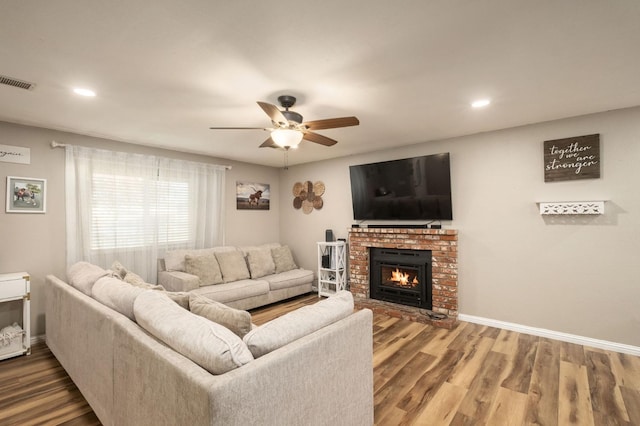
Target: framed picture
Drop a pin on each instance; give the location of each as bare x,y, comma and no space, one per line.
252,196
26,195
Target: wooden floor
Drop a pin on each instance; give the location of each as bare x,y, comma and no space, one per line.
35,390
472,375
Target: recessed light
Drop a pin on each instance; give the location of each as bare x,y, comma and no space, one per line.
84,92
480,103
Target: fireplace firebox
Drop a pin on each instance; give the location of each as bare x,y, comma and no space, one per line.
401,276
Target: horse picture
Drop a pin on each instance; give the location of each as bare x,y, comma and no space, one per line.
252,196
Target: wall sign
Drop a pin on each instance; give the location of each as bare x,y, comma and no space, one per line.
572,158
15,154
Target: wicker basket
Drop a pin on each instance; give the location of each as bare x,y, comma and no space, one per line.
11,339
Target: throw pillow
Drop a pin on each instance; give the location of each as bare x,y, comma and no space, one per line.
283,259
234,319
180,297
136,280
296,324
174,260
233,266
260,263
204,267
246,249
119,269
210,345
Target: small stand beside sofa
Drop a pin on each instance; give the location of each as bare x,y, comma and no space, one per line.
140,357
240,277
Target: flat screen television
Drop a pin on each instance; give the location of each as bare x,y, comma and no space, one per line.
417,188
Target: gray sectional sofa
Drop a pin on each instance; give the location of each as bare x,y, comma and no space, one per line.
141,358
241,277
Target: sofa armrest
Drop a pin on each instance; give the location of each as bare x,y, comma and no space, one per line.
178,281
324,378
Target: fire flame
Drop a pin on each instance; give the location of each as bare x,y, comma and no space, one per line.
402,278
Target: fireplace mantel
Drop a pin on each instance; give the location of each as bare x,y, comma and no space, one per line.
443,244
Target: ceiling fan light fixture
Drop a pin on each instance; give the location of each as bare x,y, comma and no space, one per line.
84,92
288,128
287,138
480,103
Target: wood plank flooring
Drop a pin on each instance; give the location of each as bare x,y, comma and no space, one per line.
471,375
35,390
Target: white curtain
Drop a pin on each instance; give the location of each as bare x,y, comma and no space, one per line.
132,207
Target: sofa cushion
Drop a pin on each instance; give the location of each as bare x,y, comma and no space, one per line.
205,267
83,275
234,319
230,292
283,259
174,260
260,262
210,345
296,324
117,295
292,278
232,265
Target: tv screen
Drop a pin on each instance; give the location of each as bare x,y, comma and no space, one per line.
416,188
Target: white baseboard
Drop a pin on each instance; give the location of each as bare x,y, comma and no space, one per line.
556,335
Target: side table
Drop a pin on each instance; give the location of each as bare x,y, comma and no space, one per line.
16,286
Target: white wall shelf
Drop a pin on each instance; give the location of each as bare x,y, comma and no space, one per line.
572,208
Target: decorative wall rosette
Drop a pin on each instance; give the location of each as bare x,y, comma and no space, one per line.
308,196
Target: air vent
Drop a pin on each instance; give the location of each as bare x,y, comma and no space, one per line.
16,83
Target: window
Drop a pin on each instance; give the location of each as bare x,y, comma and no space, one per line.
159,205
132,208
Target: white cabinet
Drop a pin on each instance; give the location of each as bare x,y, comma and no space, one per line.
332,267
16,341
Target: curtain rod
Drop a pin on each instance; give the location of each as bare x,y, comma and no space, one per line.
55,144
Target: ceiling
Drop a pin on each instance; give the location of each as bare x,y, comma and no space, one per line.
165,71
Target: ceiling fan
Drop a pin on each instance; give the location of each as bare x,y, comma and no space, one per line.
288,128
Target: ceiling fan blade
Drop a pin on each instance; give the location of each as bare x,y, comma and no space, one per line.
331,123
317,138
238,128
269,143
274,113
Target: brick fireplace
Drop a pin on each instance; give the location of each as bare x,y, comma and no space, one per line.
443,244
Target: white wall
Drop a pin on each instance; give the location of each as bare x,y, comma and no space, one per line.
35,243
579,276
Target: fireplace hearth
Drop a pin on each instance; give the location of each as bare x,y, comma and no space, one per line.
443,244
401,276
